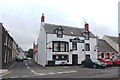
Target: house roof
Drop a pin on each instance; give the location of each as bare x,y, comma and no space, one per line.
103,46
67,30
115,39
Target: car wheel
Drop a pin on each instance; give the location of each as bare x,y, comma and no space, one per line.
94,66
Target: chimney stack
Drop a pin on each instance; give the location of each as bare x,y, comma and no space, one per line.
86,26
42,19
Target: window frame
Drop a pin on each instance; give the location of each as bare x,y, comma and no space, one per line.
74,44
87,44
66,57
58,34
66,46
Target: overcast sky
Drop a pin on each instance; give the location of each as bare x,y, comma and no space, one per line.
22,17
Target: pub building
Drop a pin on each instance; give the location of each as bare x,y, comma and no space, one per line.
59,44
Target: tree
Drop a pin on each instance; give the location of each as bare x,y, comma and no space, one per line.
30,53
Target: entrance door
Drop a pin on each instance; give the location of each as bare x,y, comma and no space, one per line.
87,56
74,59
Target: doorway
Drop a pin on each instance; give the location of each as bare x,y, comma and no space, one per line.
74,59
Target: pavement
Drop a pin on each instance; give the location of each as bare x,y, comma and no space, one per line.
2,71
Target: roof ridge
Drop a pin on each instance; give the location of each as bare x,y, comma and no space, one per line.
64,26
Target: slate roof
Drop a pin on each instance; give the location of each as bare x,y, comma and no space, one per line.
115,39
67,30
103,46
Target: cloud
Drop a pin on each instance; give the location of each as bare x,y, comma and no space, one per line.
22,17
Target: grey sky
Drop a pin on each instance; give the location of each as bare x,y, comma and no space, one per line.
22,17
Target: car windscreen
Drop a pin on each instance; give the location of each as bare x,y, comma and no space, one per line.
95,60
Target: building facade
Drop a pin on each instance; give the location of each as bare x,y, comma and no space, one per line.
6,48
105,50
35,52
112,41
60,44
0,45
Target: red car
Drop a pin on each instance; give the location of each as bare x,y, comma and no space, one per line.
116,62
107,61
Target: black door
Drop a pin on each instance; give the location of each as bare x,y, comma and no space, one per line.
74,59
87,56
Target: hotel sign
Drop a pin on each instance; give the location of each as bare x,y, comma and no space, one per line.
77,40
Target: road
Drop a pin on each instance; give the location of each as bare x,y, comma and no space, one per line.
29,69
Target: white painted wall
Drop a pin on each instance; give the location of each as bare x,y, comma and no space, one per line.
80,46
42,47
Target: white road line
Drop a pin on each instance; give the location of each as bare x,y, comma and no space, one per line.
28,67
41,74
51,73
26,76
66,72
66,67
14,77
73,71
60,72
26,64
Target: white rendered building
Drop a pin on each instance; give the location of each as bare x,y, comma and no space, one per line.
60,44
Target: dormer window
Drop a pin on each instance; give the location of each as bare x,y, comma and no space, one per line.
86,34
59,32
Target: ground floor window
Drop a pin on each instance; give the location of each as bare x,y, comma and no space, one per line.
5,56
60,57
60,46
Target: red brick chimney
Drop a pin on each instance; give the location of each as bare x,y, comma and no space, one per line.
86,26
43,19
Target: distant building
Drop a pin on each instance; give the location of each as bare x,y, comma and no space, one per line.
21,54
7,48
105,50
60,44
113,42
35,52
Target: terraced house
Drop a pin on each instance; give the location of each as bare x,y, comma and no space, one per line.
7,48
59,44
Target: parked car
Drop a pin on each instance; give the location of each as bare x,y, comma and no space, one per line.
107,61
19,60
116,62
93,63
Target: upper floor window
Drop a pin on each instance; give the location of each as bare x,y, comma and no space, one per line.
87,47
60,46
87,35
74,46
59,32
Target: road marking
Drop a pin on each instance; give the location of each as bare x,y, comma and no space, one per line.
26,64
26,76
66,67
28,67
14,77
41,74
51,73
60,72
73,71
66,72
